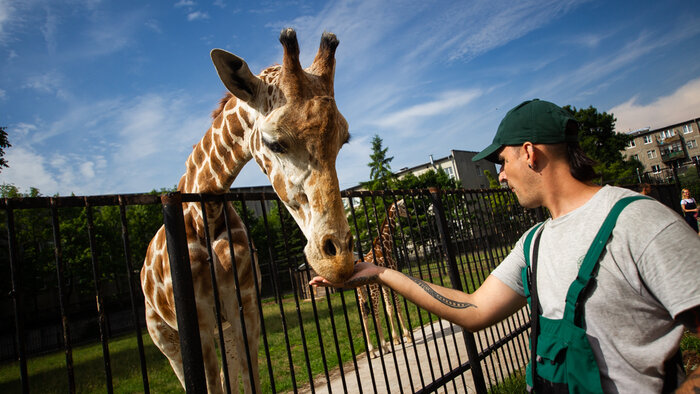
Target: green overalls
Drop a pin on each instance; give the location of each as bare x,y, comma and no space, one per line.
562,358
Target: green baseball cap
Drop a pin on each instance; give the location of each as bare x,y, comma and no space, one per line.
536,121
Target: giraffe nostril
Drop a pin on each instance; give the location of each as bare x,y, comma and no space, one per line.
329,248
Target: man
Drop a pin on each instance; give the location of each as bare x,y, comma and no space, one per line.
645,286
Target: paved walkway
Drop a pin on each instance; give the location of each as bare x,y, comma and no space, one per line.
441,349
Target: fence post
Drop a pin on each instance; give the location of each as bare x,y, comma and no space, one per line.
16,294
183,293
443,230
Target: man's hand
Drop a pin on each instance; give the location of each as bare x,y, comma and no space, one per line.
364,274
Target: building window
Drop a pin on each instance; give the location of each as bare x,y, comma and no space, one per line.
635,157
667,133
647,139
451,174
695,159
651,154
631,144
656,169
687,129
691,144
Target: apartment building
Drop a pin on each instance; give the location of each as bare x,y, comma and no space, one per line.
665,147
457,165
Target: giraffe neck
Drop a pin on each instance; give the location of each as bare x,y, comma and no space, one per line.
385,235
221,154
223,151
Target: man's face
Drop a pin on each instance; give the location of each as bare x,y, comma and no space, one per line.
520,178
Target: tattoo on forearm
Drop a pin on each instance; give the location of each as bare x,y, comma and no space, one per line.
440,297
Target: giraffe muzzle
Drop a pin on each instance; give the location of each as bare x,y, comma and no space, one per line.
334,258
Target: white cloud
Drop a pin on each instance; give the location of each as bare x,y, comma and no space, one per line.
447,102
197,15
27,169
6,12
49,30
154,25
679,106
3,94
50,83
22,129
185,3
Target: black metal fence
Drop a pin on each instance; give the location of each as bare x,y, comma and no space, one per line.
72,267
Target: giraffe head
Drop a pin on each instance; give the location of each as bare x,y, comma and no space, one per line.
399,208
295,137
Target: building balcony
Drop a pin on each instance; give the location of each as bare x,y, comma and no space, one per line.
667,156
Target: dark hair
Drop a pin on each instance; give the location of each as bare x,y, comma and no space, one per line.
580,165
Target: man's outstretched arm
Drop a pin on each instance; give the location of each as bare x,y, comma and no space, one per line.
489,304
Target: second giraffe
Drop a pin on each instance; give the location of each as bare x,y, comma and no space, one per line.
381,255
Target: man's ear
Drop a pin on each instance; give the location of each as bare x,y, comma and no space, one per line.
529,154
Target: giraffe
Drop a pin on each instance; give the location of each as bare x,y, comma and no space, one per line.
287,120
381,254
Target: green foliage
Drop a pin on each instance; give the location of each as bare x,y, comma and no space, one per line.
4,143
493,181
380,173
430,178
599,140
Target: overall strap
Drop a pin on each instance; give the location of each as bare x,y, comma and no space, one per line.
528,242
530,283
589,266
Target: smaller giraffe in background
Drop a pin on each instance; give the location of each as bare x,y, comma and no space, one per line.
381,255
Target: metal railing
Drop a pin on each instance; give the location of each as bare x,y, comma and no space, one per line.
311,339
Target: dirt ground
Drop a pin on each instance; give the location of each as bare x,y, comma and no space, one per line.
691,361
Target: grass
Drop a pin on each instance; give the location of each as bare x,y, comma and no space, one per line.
47,373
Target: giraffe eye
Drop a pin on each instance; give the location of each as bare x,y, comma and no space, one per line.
274,146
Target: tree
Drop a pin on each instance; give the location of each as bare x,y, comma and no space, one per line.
599,140
380,169
4,143
430,178
493,181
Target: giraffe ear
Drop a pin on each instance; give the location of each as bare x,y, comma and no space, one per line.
235,74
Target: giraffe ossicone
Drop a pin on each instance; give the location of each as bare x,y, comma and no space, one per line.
287,120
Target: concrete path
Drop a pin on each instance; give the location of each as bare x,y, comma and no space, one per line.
438,348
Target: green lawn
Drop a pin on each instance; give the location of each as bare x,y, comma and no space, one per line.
47,373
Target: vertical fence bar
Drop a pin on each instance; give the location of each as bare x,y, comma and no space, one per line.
217,298
132,294
478,375
101,320
16,294
61,295
183,293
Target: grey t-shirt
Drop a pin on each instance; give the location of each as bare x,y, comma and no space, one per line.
649,273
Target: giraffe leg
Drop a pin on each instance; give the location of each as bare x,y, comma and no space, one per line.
390,314
238,368
364,309
376,304
166,340
388,298
406,334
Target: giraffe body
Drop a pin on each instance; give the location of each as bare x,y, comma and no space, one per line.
286,119
381,255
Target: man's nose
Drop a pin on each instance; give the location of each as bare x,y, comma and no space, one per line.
501,175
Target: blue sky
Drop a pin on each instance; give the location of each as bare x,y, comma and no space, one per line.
107,97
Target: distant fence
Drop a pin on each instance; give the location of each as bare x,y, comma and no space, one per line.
74,280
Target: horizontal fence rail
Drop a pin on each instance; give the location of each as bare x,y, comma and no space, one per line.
72,278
